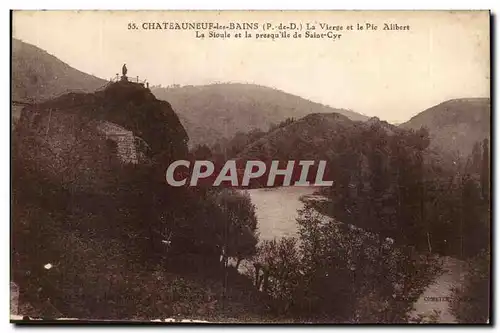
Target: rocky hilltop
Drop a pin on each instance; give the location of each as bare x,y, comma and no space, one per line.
81,138
98,235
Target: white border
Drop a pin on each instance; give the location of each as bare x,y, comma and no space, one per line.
5,5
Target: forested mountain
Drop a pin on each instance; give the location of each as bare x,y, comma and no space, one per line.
394,198
387,179
219,111
455,125
316,136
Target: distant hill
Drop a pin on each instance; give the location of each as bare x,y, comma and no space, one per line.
38,76
217,111
455,125
349,147
318,136
306,138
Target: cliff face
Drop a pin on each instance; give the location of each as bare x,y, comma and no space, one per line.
81,140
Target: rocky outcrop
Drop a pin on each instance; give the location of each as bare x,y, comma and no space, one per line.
122,142
80,140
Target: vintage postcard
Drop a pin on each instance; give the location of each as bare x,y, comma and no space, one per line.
251,166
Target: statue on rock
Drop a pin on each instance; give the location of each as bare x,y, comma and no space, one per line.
124,72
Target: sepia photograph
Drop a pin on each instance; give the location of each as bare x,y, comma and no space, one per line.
250,167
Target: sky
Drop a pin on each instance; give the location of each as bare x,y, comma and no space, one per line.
393,75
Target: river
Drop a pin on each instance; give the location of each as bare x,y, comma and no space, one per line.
276,209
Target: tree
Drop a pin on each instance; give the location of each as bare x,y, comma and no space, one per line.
356,275
202,152
472,301
279,262
476,163
239,225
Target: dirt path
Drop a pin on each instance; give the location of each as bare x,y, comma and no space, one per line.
433,304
